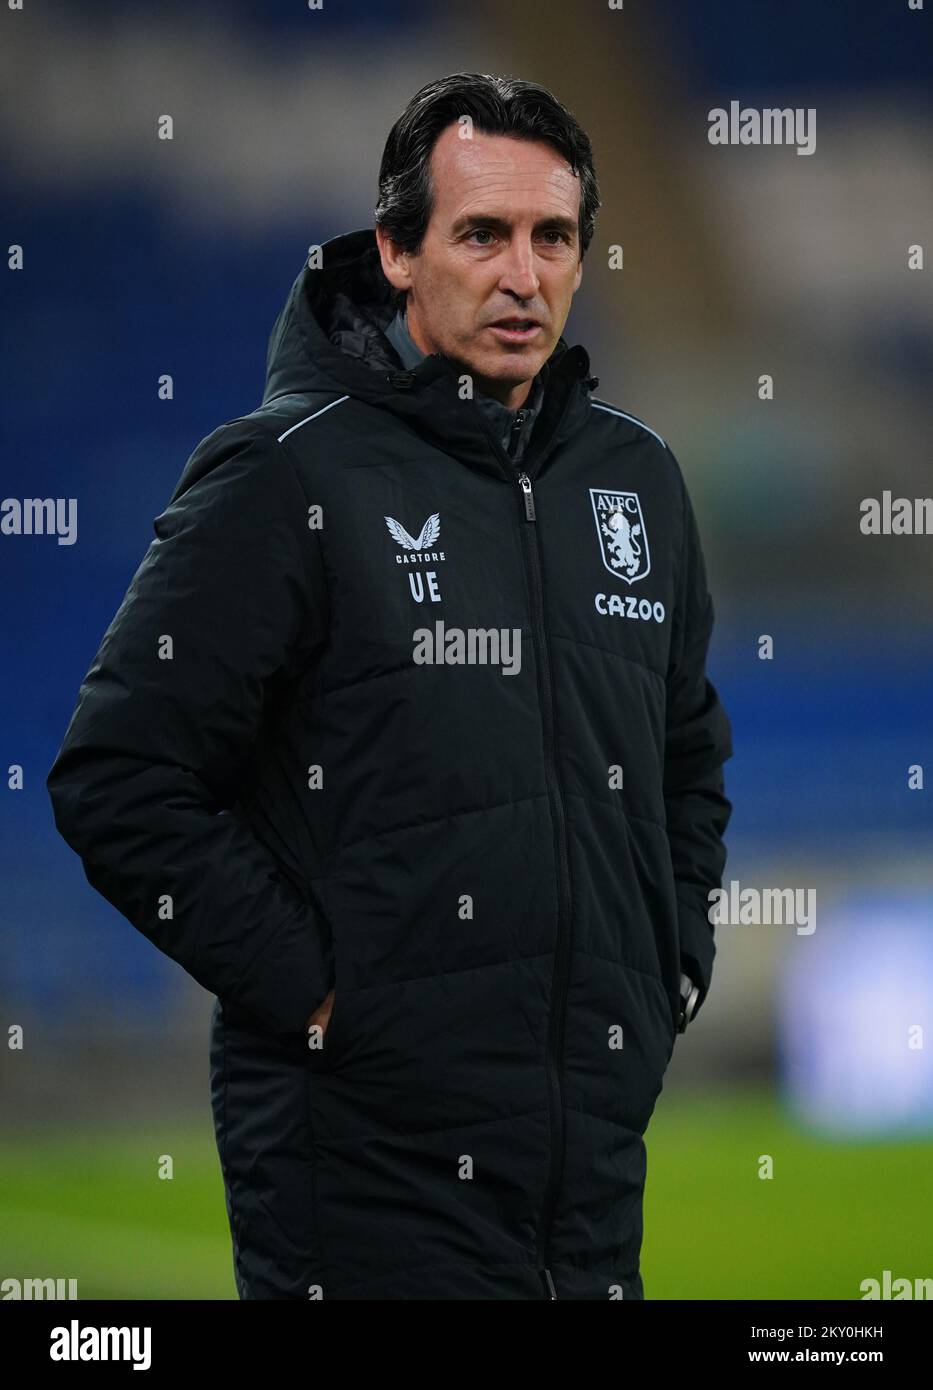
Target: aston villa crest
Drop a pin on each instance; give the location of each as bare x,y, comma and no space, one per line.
620,526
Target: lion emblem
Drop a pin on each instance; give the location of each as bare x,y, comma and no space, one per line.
622,542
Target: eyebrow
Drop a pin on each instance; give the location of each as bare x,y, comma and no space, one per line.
500,224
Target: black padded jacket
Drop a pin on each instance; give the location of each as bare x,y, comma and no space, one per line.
384,713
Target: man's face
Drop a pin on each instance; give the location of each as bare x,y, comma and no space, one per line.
502,243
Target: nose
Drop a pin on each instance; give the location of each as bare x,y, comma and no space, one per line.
519,277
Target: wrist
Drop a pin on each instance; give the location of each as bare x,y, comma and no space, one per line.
689,998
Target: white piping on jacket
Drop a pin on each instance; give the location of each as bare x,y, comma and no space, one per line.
308,418
634,419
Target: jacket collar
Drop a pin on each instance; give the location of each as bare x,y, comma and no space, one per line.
331,336
502,418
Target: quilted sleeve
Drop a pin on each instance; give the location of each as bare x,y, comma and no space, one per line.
698,740
227,596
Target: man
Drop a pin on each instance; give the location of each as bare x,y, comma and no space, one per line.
401,743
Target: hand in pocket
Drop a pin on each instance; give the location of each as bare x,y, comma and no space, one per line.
322,1014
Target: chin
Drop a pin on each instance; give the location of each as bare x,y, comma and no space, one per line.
512,368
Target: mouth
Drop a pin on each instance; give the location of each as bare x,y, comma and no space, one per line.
516,330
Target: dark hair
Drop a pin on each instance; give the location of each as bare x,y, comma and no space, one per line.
497,106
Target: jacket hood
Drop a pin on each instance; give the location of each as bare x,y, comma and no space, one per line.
330,337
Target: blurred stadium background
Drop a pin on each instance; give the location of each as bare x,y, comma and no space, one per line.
145,257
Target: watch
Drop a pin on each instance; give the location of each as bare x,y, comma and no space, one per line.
689,995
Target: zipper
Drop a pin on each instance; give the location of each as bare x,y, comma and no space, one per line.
523,478
561,976
560,979
515,430
525,483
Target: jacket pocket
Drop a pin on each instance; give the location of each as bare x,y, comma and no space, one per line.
327,1054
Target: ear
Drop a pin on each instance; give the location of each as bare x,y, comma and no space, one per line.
579,276
394,262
